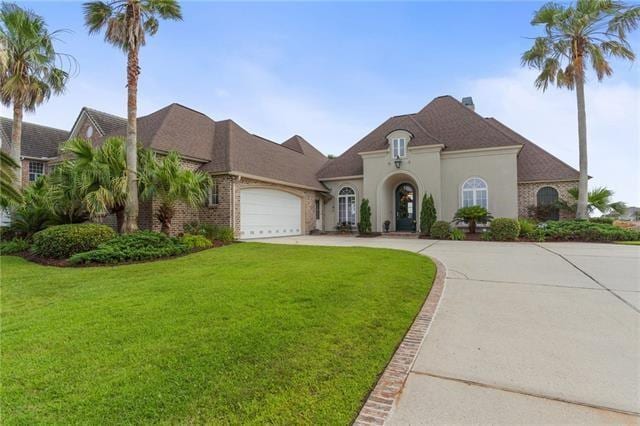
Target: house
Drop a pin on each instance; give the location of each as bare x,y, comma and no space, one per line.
449,151
265,189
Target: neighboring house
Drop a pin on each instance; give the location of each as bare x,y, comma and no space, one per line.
631,213
265,189
39,148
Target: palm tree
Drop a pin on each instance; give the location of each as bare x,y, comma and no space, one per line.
125,23
600,199
67,194
170,183
31,70
101,176
9,195
576,37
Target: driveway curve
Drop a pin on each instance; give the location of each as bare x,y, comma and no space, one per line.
524,333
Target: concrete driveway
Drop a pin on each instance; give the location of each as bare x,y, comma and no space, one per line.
524,333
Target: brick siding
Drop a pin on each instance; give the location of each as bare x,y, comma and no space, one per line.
527,195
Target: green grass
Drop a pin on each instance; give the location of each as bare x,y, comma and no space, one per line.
248,333
629,243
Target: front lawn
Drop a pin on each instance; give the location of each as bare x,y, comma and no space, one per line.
629,243
248,333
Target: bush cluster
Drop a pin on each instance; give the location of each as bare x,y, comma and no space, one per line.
141,245
195,241
14,246
62,241
212,232
441,230
584,230
504,229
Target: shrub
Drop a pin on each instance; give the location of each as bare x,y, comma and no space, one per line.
527,228
427,214
141,245
605,220
441,230
568,230
62,241
225,234
472,215
195,241
364,227
14,246
457,234
505,229
212,232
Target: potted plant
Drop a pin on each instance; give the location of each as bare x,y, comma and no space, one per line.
387,224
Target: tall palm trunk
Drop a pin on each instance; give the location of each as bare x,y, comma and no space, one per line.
131,208
16,142
583,189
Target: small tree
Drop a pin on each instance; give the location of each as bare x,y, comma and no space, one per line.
600,199
428,215
171,183
364,227
472,215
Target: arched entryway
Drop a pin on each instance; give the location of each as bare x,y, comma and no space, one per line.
405,207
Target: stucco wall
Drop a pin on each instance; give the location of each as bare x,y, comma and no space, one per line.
421,168
330,207
497,167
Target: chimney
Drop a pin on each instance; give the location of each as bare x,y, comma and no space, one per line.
468,102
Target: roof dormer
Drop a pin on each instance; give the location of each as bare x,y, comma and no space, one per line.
398,141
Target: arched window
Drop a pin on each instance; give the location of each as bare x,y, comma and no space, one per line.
347,206
475,192
547,199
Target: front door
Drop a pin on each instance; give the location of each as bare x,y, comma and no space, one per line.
405,208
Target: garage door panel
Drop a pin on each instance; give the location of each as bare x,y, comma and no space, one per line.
269,213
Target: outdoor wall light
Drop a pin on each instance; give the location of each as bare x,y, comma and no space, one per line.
397,161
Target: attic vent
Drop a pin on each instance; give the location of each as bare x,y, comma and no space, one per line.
468,102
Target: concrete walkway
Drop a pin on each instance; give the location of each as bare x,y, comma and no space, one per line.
524,333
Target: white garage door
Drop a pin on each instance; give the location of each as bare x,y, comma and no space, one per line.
269,213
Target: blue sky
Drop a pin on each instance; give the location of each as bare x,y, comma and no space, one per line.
332,72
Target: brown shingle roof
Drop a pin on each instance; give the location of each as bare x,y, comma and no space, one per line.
37,141
446,121
105,122
443,121
534,163
237,150
224,146
175,127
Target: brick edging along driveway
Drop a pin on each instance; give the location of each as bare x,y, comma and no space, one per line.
381,400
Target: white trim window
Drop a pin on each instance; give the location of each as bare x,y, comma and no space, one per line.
347,206
213,194
475,192
399,146
36,169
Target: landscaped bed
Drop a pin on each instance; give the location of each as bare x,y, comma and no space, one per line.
246,333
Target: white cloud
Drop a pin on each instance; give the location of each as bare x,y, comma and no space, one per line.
550,120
